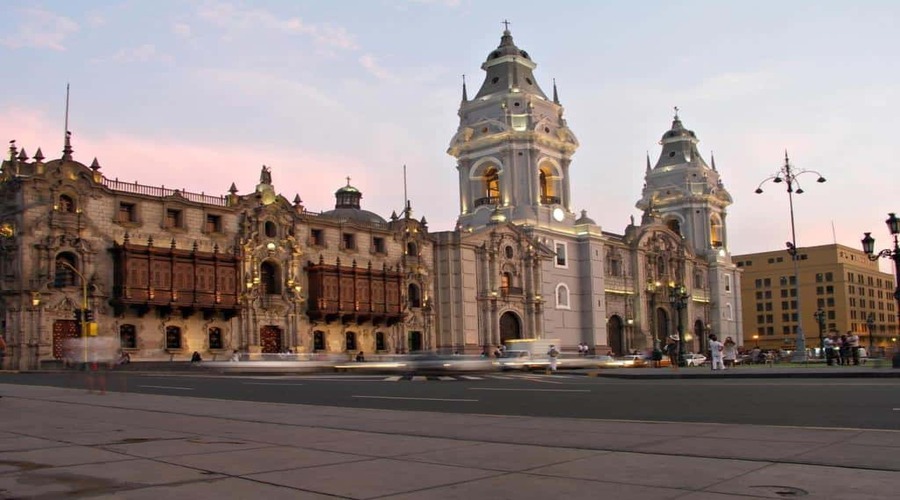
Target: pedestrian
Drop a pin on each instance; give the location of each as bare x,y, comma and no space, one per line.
235,356
844,350
715,349
196,358
853,345
729,352
2,350
553,353
829,351
672,351
360,357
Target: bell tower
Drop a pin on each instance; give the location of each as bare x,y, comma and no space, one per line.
513,147
687,193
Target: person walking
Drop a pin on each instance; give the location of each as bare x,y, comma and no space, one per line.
853,346
715,349
553,353
729,352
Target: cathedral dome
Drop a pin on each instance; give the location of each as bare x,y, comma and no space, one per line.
347,206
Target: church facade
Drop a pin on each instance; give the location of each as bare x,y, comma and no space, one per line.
167,272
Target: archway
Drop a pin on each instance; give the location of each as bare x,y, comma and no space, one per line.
615,332
700,335
662,326
510,327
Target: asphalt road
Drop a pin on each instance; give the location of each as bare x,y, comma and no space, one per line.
840,403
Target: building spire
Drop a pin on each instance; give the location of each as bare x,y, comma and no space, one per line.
712,160
67,144
648,161
465,96
555,94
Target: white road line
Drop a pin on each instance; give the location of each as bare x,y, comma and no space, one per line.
168,387
444,377
526,390
470,377
267,383
417,399
420,378
393,379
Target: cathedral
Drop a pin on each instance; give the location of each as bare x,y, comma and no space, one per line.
168,272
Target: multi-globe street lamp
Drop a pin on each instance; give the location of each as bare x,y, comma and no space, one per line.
789,176
868,243
820,320
678,296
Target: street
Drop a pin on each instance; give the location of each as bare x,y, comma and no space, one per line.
838,403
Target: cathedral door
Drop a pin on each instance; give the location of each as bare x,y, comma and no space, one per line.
662,327
510,327
270,339
616,335
63,330
415,341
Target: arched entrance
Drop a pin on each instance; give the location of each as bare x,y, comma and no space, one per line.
615,332
510,327
662,326
700,335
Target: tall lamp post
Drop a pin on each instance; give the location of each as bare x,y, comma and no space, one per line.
868,243
870,326
678,296
820,320
652,287
789,176
84,304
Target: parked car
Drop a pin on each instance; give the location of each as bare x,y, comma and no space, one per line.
694,359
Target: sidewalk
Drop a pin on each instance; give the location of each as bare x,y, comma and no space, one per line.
782,370
59,443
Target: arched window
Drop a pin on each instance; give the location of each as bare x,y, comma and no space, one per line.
562,296
548,185
412,249
379,342
674,226
318,341
729,313
351,341
414,296
173,337
505,282
64,274
215,338
269,278
127,337
271,229
491,180
66,204
715,231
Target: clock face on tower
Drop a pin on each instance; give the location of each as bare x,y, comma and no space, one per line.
558,214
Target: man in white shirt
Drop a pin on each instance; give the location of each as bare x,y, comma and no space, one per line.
715,349
853,341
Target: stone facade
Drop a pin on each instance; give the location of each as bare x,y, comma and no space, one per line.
168,272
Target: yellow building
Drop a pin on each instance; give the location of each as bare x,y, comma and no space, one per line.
841,282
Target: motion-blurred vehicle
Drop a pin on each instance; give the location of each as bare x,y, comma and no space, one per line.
694,359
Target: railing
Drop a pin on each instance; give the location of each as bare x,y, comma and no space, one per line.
487,200
162,192
549,200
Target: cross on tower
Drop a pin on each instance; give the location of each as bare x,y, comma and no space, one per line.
676,112
348,180
506,25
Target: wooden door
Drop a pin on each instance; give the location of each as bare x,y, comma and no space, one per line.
270,339
63,330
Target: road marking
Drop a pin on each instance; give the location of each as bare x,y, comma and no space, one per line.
417,399
267,383
469,377
446,378
168,387
526,390
420,378
393,379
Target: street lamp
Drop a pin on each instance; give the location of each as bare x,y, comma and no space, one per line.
868,243
84,304
789,176
820,320
870,326
652,287
678,296
756,340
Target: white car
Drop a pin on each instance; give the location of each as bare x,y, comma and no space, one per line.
694,359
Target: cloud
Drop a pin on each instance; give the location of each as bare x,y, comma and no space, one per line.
235,20
371,65
41,29
183,30
143,53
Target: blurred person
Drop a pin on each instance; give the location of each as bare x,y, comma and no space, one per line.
235,356
553,353
829,351
196,358
729,352
853,347
844,350
101,356
360,357
2,351
715,350
672,351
